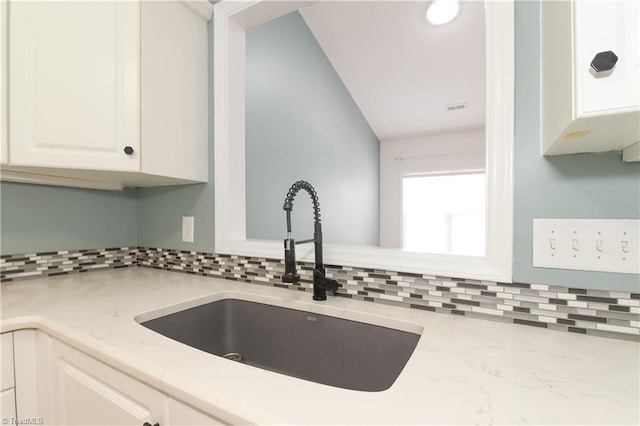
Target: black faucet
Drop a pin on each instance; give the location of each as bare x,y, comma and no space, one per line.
320,282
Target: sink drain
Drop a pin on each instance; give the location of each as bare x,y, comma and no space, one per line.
233,356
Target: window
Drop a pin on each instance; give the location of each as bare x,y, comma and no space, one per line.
444,214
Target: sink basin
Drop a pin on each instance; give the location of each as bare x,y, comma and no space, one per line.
320,348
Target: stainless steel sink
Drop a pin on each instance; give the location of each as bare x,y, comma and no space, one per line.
320,348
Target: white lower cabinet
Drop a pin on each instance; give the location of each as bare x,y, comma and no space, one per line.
89,392
20,391
8,393
6,346
46,380
29,347
8,403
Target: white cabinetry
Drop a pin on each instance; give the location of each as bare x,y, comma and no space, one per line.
584,110
3,82
21,374
8,392
87,392
44,378
75,84
112,92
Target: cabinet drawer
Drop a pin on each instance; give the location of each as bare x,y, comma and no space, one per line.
7,363
8,403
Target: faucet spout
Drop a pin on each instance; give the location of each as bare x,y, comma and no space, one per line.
321,284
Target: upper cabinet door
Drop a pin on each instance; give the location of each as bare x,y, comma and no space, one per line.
3,82
75,84
590,76
608,26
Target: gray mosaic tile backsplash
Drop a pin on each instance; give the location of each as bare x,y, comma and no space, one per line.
593,312
21,266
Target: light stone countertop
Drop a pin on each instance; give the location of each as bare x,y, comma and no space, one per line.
463,371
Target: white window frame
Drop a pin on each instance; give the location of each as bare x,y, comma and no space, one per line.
231,20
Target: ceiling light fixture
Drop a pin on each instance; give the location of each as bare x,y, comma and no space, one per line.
441,12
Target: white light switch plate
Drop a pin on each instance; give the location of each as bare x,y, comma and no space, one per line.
606,245
187,229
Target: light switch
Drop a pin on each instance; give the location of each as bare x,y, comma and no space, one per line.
574,244
187,229
607,245
599,245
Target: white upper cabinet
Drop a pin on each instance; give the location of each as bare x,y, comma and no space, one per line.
590,76
3,82
112,92
174,90
75,84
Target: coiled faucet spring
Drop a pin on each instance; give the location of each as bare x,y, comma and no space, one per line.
293,191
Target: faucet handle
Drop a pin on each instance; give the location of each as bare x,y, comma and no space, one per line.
333,286
325,283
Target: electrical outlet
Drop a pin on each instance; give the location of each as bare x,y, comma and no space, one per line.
606,245
187,229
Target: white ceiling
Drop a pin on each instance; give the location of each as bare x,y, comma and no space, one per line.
402,71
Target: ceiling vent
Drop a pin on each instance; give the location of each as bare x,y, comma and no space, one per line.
456,107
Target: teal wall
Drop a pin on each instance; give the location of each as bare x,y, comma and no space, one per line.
302,124
38,218
594,186
160,212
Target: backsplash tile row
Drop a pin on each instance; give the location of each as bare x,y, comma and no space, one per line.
21,266
594,312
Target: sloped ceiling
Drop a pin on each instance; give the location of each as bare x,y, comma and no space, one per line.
402,71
